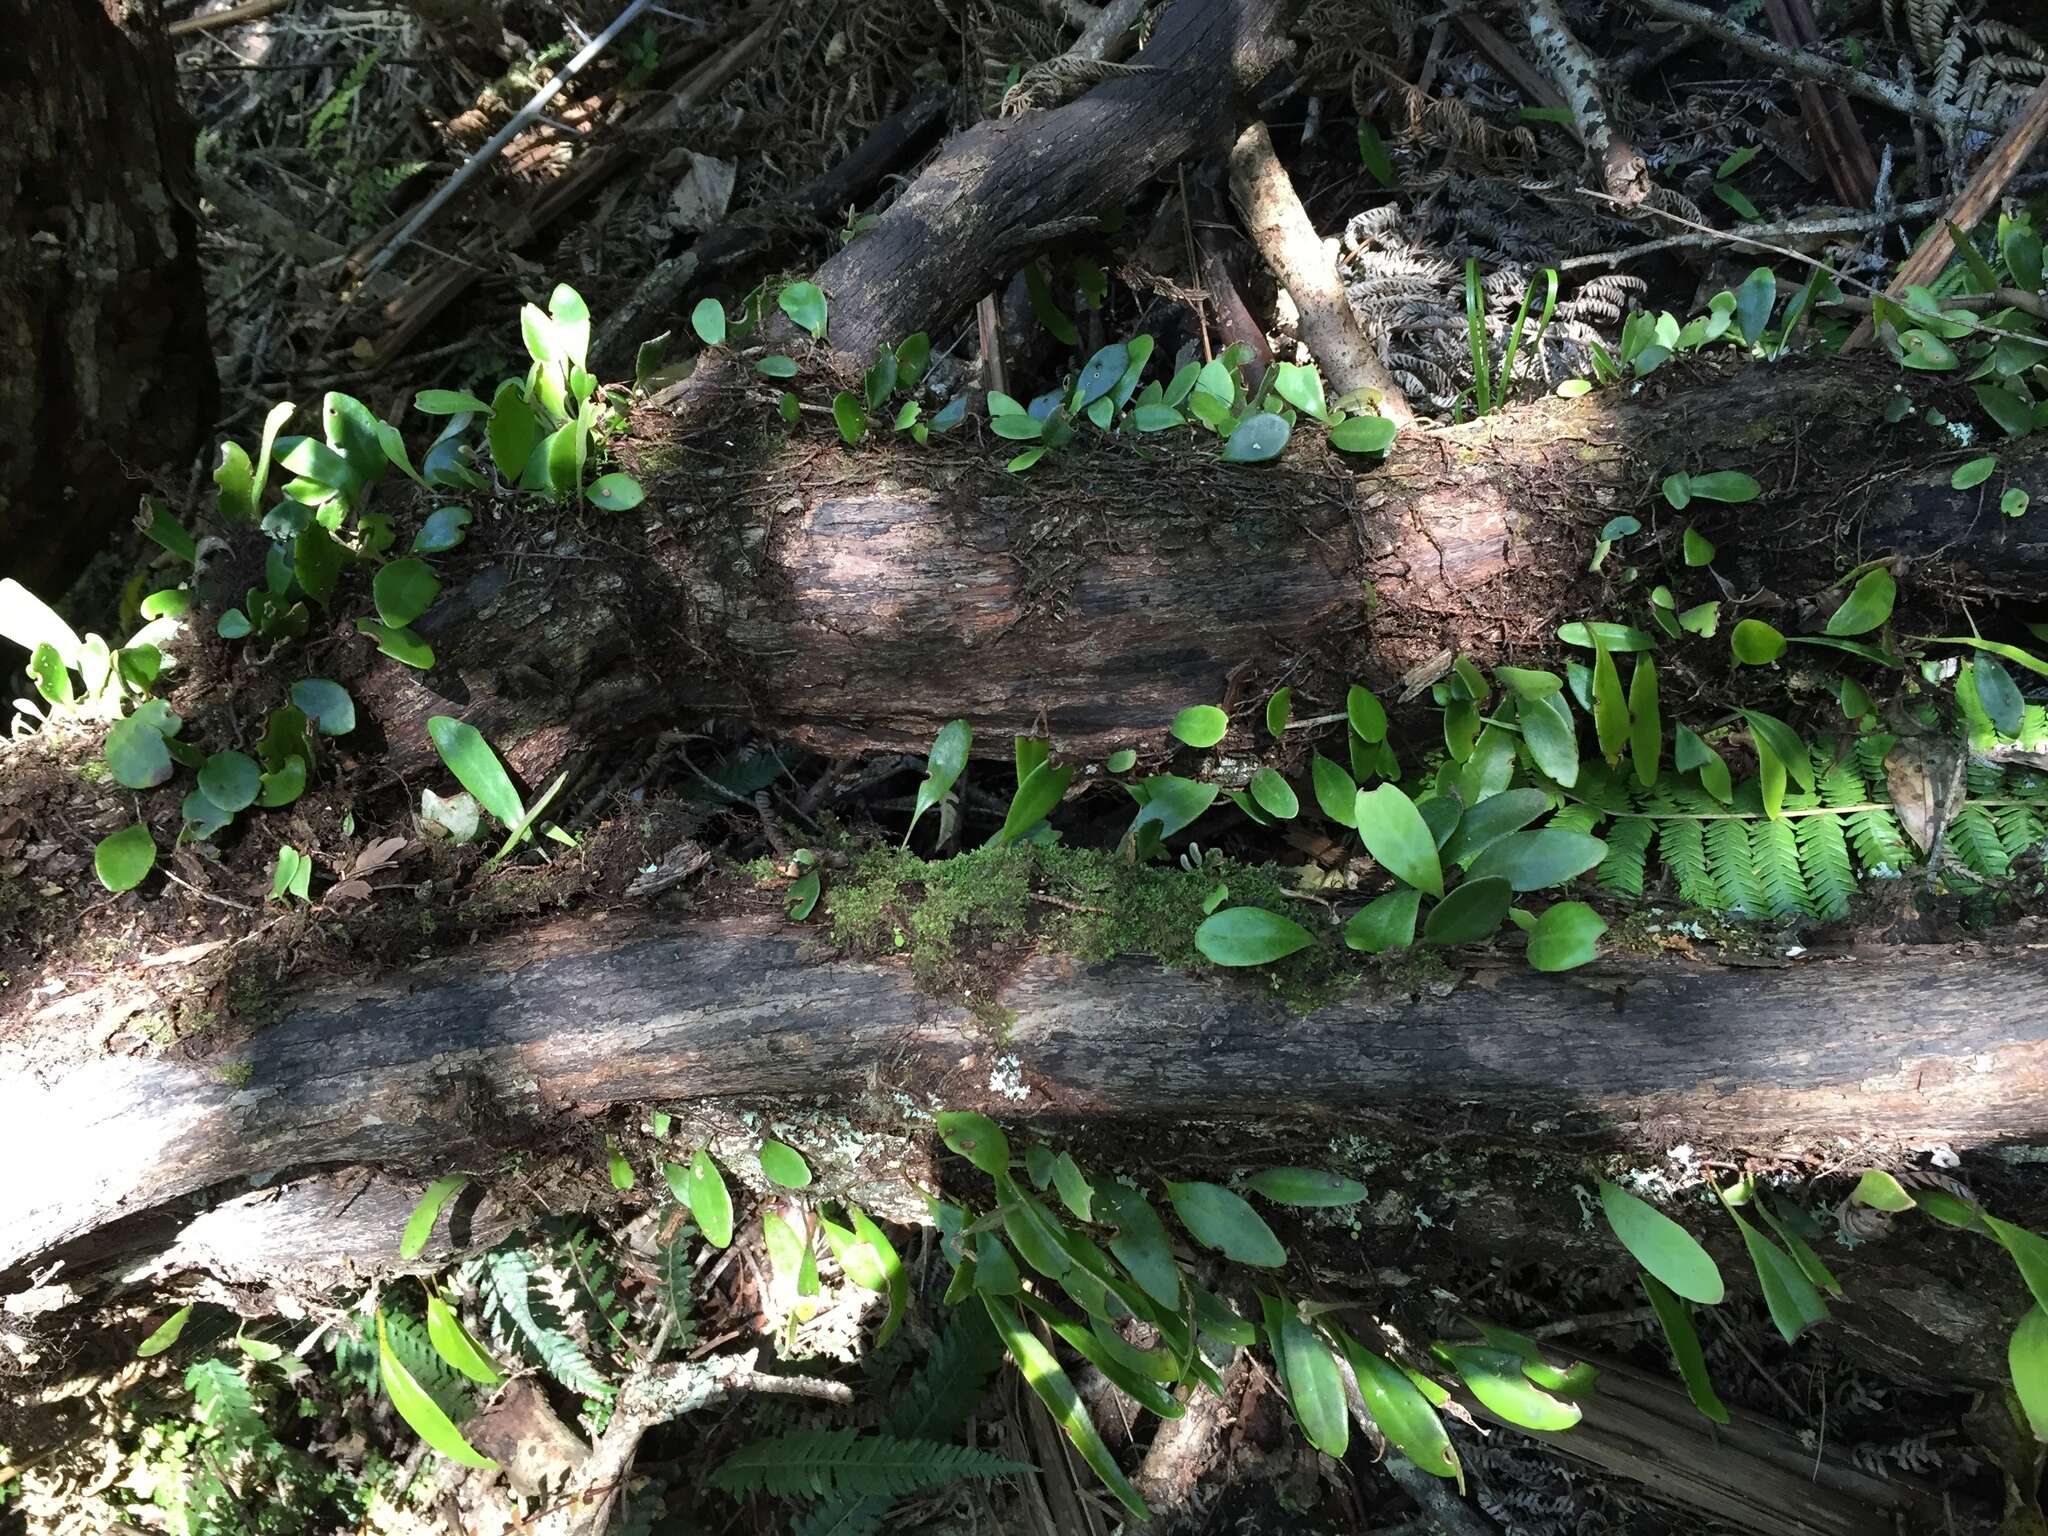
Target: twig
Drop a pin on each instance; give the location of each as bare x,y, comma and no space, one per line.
1622,170
227,18
1800,61
219,901
1068,906
1755,234
489,149
1985,188
1280,228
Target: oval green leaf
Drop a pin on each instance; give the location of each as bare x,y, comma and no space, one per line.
453,1343
1662,1246
403,590
1395,834
1473,911
123,858
1201,725
1973,474
1315,1387
1756,643
166,1333
1221,1219
421,1411
1275,795
1386,922
231,780
1867,606
1249,936
804,303
977,1138
419,1226
1367,715
470,758
1402,1413
1567,935
1258,437
1685,1348
1363,434
1494,1376
710,1201
616,492
1534,861
2027,1356
1305,1186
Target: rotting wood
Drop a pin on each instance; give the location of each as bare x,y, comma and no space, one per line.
856,602
434,1066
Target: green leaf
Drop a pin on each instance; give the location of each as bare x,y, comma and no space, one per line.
1367,715
895,1280
1756,643
1473,911
1794,1304
1257,438
1363,434
1699,550
2027,1357
401,645
1100,374
1616,637
136,754
1493,819
1754,301
419,1410
452,1342
1645,721
1153,417
1662,1246
1372,153
1141,1244
326,704
1123,760
1881,1192
942,769
1867,606
615,492
620,1170
1395,834
1384,923
1038,796
1566,936
1782,742
420,1224
804,303
1336,791
1534,861
1315,1387
1301,388
442,531
1726,485
1677,490
1974,473
1685,1347
1076,1192
775,366
1279,708
2010,653
1999,695
802,898
1201,725
707,319
1024,460
1548,732
1494,1376
448,402
470,758
1610,708
1305,1186
1249,936
1402,1413
403,590
165,1334
231,780
2014,502
1043,1374
977,1138
709,1200
2029,1252
1275,795
849,416
1219,1218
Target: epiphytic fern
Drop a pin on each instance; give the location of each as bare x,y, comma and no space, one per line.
820,1463
522,1288
935,1403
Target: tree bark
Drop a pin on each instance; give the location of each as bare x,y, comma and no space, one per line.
437,1066
856,601
109,373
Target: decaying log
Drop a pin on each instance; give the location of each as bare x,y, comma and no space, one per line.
437,1066
858,601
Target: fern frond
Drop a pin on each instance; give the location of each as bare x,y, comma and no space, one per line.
223,1404
673,1271
1824,855
816,1463
515,1287
1880,844
1732,859
2021,829
1775,847
1628,847
1973,837
1576,818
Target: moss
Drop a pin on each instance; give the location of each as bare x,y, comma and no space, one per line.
955,918
235,1074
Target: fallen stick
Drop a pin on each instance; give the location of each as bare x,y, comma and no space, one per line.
1622,171
489,149
1836,135
233,15
1280,228
1976,200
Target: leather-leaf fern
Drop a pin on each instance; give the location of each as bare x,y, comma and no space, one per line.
820,1463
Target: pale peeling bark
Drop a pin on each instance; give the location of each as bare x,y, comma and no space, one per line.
1622,171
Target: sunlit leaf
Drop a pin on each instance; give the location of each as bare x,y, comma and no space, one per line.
1662,1246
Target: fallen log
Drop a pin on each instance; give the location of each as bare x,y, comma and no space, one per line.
444,1064
856,601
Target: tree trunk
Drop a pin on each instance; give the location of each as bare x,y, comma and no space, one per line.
437,1065
109,374
856,601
